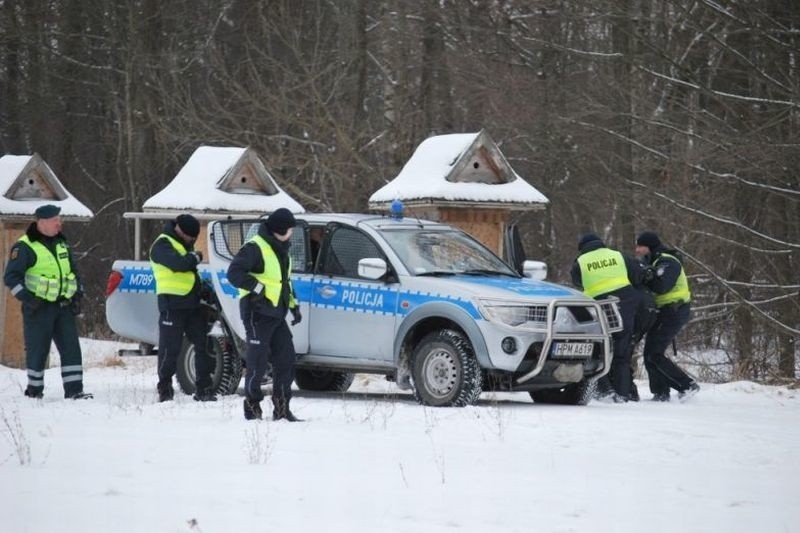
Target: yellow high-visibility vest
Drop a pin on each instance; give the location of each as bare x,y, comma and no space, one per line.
679,293
271,278
167,280
51,276
602,270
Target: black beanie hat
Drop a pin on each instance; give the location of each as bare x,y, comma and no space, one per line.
189,225
649,239
280,221
586,238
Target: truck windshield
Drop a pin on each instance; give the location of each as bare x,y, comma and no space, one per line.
449,252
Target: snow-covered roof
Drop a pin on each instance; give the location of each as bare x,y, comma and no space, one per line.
459,168
223,178
27,182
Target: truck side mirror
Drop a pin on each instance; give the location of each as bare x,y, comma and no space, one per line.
534,269
372,268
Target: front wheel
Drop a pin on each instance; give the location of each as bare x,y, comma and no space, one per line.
444,370
580,393
227,366
323,380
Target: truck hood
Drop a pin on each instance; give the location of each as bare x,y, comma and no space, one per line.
495,287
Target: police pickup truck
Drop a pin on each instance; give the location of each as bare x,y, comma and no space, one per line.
421,302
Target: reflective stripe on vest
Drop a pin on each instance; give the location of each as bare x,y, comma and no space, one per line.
167,280
51,276
271,277
602,270
679,293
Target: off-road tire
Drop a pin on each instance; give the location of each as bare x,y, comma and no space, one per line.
580,393
323,380
227,369
444,370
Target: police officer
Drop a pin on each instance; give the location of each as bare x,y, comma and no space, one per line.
672,297
601,272
41,274
261,270
178,287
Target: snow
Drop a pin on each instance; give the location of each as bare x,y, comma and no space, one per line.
424,176
195,186
10,168
374,460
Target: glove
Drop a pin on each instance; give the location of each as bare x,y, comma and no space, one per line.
198,255
206,291
296,316
75,306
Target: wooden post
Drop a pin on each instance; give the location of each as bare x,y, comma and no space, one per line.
12,342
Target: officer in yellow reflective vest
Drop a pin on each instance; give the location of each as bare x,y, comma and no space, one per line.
261,271
178,287
601,272
41,274
672,296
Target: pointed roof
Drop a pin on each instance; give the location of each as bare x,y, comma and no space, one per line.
223,178
460,168
27,182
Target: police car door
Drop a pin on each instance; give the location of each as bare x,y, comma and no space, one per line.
350,316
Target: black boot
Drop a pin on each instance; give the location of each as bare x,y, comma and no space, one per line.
165,391
35,394
79,396
205,395
281,412
252,410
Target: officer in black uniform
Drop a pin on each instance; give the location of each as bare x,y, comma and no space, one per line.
601,272
41,274
178,286
261,270
672,297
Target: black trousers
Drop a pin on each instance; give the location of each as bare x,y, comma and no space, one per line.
269,340
52,322
620,373
663,372
172,325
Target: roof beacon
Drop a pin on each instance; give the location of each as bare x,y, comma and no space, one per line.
396,210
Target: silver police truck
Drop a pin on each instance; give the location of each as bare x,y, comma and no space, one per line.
421,302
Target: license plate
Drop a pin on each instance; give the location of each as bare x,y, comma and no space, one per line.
573,349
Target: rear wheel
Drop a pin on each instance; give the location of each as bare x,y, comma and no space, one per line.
580,393
323,380
444,370
227,366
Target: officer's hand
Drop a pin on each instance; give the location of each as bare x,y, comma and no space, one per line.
296,316
198,255
75,307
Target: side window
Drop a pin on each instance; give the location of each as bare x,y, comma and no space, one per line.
298,249
345,247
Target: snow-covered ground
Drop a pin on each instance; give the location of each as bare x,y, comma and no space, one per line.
374,460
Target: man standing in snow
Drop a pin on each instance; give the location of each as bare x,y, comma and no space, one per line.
178,287
672,297
601,272
261,271
41,274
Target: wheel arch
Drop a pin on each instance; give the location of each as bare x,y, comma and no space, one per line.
433,316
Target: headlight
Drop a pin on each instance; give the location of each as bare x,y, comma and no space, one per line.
510,315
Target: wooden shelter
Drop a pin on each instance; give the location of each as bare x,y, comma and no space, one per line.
464,180
216,182
26,183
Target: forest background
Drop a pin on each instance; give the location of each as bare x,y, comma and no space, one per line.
675,116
